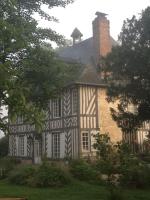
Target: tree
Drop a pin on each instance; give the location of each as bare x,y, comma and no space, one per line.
30,74
128,72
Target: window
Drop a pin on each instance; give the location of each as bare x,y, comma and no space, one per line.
56,145
85,141
74,101
57,108
21,146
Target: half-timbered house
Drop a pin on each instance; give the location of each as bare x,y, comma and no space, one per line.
79,113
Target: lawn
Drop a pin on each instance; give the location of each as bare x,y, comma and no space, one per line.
75,191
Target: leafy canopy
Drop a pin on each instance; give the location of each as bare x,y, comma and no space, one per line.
30,73
129,72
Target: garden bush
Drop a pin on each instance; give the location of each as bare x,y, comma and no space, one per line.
82,170
115,193
107,167
6,165
21,175
137,176
44,175
145,157
49,176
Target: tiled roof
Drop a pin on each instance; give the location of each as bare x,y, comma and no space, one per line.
83,53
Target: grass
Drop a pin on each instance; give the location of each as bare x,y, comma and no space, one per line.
75,191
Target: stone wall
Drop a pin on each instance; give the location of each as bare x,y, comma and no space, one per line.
106,123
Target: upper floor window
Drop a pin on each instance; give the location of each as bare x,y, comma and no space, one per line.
57,108
74,101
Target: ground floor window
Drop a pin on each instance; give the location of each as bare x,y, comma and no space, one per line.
85,141
56,145
21,146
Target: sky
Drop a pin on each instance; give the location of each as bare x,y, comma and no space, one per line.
81,13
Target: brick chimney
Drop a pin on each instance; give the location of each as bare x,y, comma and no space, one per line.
101,35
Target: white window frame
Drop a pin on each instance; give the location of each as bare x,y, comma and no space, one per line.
57,108
85,141
74,101
56,145
21,146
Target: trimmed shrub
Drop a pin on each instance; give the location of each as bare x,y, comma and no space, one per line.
21,175
81,170
49,176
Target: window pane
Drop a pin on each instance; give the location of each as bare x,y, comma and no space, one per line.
57,108
21,146
56,145
85,141
74,101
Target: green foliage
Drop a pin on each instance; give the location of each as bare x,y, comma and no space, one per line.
117,159
3,146
103,146
145,157
128,64
49,176
84,171
107,155
44,175
134,171
29,73
136,176
6,165
76,191
115,193
124,155
21,175
107,167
